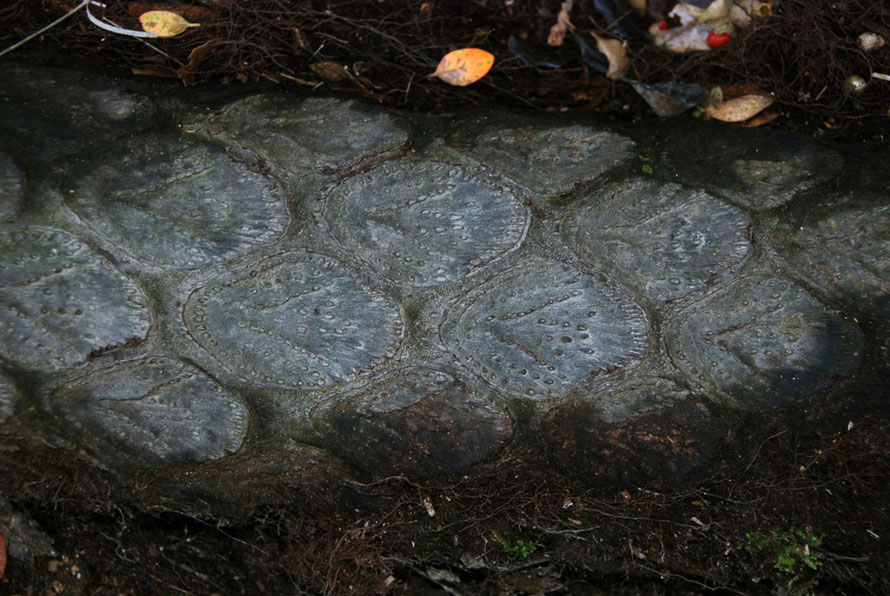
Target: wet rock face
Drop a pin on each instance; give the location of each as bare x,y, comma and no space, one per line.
299,320
60,300
291,288
426,223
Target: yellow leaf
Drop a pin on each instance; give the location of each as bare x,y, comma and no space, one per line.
164,23
739,109
463,67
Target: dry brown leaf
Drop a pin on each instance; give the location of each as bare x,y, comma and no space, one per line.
330,71
740,108
761,119
616,52
187,73
558,31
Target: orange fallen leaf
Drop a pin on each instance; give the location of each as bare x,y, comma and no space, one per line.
463,67
739,109
164,23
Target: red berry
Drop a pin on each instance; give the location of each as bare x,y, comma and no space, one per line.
715,40
663,25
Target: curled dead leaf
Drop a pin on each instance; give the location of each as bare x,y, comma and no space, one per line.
616,52
330,71
188,73
558,31
739,109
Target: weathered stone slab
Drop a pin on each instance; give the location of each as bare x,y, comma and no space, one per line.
426,222
49,113
59,300
843,245
12,187
311,136
664,240
762,342
551,161
540,328
416,421
758,169
190,202
151,412
296,320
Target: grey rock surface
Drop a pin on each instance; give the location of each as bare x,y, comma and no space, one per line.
284,288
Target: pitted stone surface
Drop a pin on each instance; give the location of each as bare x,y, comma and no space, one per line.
664,240
299,319
41,118
540,328
844,246
759,169
190,202
762,342
9,395
551,161
423,223
416,420
12,187
312,135
59,300
152,412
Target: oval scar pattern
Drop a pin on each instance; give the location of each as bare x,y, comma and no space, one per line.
60,301
540,328
663,240
153,412
425,223
192,204
297,320
762,342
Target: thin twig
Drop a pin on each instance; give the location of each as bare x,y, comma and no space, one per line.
48,27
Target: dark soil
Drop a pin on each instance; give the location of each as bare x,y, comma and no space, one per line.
521,527
524,526
383,51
